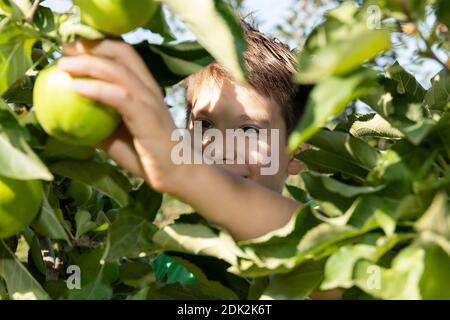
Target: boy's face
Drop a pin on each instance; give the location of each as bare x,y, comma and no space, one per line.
231,106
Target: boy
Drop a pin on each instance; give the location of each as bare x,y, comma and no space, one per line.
235,196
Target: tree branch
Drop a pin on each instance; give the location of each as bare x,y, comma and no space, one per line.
430,51
33,10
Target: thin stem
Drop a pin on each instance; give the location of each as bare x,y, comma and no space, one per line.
430,51
442,162
439,168
33,10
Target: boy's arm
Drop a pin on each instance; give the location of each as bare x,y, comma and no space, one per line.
246,209
120,79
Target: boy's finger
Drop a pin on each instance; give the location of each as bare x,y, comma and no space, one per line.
116,96
105,92
79,46
138,112
116,50
101,69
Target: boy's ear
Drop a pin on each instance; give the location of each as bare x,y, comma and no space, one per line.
295,165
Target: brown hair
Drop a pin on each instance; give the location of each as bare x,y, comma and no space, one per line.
270,66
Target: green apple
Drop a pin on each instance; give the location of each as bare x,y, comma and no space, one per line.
67,116
19,204
116,17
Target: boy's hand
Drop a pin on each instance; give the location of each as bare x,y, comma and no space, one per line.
121,79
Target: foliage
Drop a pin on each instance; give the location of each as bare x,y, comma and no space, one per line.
377,222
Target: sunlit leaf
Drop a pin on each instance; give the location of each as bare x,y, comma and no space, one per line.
19,282
226,43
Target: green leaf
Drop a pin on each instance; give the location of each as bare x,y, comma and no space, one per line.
72,28
171,63
137,274
340,45
321,240
297,193
347,190
15,53
376,126
343,144
18,9
130,227
403,162
441,132
327,99
257,287
183,58
436,218
214,269
35,254
438,96
147,201
158,24
57,289
401,281
414,8
373,211
134,225
50,221
94,268
212,288
21,92
436,275
96,290
83,223
57,150
3,290
442,11
339,267
226,44
341,58
330,202
197,239
406,83
17,159
176,292
170,272
19,282
399,101
297,284
276,251
101,176
45,19
329,162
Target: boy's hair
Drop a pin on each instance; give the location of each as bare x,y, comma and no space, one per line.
270,66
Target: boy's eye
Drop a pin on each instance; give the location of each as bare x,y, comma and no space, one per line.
250,128
205,124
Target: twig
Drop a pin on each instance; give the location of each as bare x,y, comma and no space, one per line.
33,10
430,51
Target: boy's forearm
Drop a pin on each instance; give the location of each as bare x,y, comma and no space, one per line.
246,209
